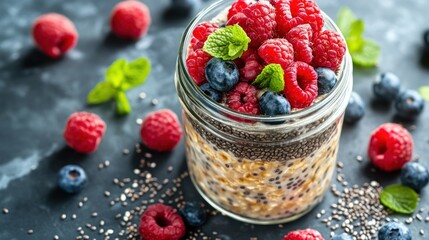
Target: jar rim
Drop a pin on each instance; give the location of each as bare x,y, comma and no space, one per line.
343,76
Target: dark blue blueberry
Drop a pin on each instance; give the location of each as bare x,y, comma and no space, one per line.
386,87
272,104
326,80
343,236
394,231
355,109
211,93
426,39
193,214
409,104
71,178
222,75
183,5
415,176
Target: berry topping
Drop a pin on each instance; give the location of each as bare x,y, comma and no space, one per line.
161,222
300,85
300,37
386,87
414,175
193,214
238,6
307,234
196,63
182,7
355,109
326,80
343,236
71,178
130,19
277,50
203,30
390,147
211,93
83,131
221,75
272,104
258,21
161,130
54,34
252,66
426,39
328,50
409,104
394,231
243,99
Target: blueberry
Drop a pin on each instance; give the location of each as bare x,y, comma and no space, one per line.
394,231
211,93
386,87
426,39
183,5
272,104
409,104
415,176
326,80
343,236
355,109
222,75
193,214
71,178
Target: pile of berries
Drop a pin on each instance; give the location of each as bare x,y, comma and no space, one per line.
288,33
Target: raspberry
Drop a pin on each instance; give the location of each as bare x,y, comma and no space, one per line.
251,69
161,222
54,34
390,147
195,44
130,19
161,130
237,7
291,13
307,234
196,63
300,38
243,99
277,50
83,131
300,85
328,50
258,21
203,30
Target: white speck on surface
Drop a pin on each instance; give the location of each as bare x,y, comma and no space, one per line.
75,54
145,42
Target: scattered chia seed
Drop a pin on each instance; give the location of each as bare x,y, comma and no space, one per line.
30,231
56,237
154,101
63,216
422,232
142,95
126,151
139,121
5,211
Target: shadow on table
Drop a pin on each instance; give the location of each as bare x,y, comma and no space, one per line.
112,41
35,58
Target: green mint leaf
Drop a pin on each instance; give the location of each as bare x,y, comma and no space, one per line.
272,77
227,43
345,20
122,105
101,93
401,199
367,55
136,72
115,72
424,92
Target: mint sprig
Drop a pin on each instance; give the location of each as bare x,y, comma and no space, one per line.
365,52
399,198
424,92
227,43
271,77
120,77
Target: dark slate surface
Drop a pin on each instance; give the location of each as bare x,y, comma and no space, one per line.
37,95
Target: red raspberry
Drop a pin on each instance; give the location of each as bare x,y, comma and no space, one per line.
300,38
291,13
277,50
390,147
161,222
196,63
83,131
237,7
252,68
203,30
307,234
54,34
161,130
130,19
195,44
328,50
258,21
300,85
242,98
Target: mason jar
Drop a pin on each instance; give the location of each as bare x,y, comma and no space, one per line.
260,169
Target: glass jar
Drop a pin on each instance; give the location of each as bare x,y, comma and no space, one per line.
250,169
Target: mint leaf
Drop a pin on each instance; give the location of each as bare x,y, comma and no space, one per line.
115,72
272,77
136,73
424,92
368,55
101,93
345,20
122,105
227,43
401,199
